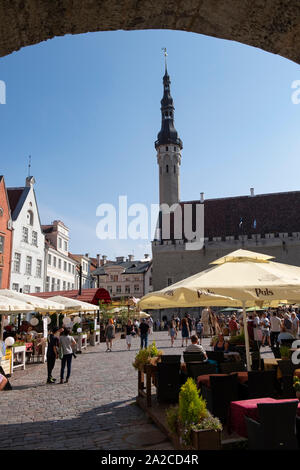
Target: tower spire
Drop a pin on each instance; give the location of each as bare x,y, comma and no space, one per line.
166,55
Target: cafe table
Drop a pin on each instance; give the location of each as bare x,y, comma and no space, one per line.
272,363
205,379
239,409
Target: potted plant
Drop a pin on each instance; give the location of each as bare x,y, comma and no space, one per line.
285,352
192,422
149,355
296,386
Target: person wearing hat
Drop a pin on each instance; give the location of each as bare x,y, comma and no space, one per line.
52,353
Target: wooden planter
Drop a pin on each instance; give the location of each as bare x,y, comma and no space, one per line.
206,440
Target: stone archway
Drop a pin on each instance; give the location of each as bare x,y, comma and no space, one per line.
272,25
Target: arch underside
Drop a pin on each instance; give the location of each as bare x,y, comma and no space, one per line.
272,25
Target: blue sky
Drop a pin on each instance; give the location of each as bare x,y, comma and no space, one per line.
87,109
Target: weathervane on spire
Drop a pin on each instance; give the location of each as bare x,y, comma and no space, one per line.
166,55
29,164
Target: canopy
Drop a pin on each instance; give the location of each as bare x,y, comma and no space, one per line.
35,303
13,306
73,305
243,278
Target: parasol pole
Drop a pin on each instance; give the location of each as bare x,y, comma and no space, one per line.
247,345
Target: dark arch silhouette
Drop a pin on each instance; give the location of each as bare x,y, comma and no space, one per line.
272,25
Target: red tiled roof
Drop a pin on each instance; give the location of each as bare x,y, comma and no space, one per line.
91,296
273,213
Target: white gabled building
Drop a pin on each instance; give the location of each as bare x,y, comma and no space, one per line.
28,247
60,268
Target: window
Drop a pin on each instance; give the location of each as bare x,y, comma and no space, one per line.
34,239
167,168
167,148
109,288
59,263
28,265
136,288
53,284
73,269
54,261
65,265
127,289
119,290
0,278
174,149
59,242
25,235
39,268
1,244
26,289
15,287
72,286
69,266
47,283
37,289
64,285
30,217
150,281
66,246
17,262
58,284
68,285
49,260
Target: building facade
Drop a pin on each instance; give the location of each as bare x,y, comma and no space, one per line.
124,278
27,265
86,264
60,267
5,237
266,223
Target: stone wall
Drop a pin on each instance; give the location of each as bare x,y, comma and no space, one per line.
272,25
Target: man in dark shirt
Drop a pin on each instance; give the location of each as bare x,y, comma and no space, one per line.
143,330
52,354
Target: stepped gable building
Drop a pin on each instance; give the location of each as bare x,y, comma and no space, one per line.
27,267
5,237
124,278
267,223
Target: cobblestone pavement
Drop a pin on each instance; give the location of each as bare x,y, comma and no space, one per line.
95,410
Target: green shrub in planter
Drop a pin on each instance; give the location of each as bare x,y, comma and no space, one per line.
285,352
191,414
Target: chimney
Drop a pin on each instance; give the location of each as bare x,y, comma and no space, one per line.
201,197
98,261
120,259
29,181
104,259
87,255
130,257
251,191
146,256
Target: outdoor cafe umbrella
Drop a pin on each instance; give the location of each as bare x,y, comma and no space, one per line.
36,304
10,306
74,305
244,278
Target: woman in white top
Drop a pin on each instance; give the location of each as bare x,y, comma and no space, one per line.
67,344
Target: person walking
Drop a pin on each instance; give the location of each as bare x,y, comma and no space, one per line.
275,329
109,334
295,324
172,331
199,330
265,323
233,326
67,344
143,331
130,333
52,353
185,331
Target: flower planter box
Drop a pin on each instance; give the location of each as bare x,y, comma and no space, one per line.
206,439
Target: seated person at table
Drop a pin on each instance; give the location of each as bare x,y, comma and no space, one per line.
284,335
195,347
221,344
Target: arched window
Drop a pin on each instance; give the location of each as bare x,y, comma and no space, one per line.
167,168
30,217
